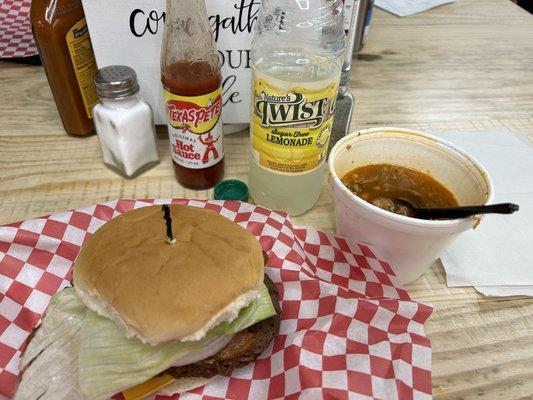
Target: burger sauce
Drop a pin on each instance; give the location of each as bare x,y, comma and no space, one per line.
192,87
62,37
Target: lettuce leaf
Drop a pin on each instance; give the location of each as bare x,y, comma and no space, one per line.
109,362
258,310
49,365
75,350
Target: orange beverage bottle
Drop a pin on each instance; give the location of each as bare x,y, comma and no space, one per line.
62,37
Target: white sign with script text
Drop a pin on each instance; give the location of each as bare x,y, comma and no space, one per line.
129,32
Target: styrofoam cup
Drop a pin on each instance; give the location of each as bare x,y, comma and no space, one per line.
410,245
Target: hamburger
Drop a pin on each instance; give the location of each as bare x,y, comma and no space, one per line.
155,307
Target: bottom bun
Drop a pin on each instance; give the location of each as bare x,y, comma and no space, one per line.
182,385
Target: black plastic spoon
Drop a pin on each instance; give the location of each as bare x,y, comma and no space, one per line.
458,212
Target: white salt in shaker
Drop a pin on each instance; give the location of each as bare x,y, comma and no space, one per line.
124,122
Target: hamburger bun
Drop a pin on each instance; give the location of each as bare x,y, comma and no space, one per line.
158,291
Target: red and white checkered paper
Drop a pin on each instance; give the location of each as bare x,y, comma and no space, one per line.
348,330
16,38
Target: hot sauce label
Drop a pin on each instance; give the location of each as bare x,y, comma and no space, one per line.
291,126
195,128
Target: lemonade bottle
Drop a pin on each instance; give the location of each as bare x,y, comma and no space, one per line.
297,56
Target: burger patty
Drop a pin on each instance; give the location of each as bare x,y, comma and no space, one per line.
243,349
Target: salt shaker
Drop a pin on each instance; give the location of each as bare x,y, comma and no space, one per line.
124,122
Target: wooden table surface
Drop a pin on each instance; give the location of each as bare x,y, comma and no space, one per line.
463,66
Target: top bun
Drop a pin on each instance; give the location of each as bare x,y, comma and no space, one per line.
157,291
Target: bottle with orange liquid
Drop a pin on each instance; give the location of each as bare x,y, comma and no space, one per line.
61,34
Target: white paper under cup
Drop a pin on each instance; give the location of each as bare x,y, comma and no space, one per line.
410,245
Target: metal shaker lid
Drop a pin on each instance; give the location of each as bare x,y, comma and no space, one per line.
116,81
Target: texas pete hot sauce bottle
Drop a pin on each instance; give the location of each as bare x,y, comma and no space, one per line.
192,87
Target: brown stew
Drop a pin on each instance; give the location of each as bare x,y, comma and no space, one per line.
384,184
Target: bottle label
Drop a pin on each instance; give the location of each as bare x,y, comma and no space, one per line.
291,126
82,56
195,128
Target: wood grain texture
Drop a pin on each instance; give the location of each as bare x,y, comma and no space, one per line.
463,66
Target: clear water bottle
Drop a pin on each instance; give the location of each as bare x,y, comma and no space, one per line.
297,55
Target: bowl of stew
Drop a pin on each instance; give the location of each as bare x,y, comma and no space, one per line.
376,173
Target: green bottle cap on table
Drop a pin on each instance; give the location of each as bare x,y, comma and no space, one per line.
231,189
